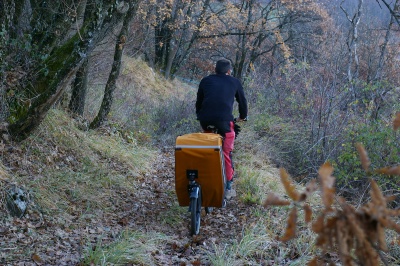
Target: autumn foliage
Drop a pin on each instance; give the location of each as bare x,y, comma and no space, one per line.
356,234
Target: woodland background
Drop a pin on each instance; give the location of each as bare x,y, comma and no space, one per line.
320,76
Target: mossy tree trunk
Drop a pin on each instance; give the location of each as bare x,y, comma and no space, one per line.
79,86
57,70
51,20
115,70
79,89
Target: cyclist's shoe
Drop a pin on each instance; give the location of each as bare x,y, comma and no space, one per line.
230,193
223,203
228,185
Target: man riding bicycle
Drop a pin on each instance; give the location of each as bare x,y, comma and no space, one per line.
214,109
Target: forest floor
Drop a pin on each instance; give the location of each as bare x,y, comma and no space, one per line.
41,239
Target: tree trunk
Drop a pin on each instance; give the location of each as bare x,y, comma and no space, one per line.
58,69
172,49
79,88
393,11
352,45
183,47
379,69
115,70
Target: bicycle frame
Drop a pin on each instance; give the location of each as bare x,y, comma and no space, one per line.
194,190
193,187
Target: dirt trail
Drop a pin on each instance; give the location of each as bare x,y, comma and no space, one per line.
223,225
38,239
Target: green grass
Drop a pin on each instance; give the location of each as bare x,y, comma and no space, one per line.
131,247
80,167
249,188
258,246
80,171
255,179
173,215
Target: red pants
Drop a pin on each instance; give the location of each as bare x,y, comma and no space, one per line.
227,148
228,143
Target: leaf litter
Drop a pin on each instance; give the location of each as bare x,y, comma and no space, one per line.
40,238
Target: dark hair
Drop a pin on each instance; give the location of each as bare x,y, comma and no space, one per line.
222,66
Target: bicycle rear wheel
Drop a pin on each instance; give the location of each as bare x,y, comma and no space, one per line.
195,214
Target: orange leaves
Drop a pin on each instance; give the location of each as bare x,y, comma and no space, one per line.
273,200
290,232
377,211
396,121
365,162
36,258
310,188
394,170
356,234
327,184
376,195
313,262
289,186
307,213
291,190
318,225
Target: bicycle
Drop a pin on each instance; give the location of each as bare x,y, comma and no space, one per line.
194,172
195,196
194,189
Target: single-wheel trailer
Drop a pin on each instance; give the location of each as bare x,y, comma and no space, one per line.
199,174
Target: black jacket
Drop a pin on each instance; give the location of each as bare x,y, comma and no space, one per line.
215,98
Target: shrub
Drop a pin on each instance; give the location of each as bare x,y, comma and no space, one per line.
176,116
286,142
355,234
383,147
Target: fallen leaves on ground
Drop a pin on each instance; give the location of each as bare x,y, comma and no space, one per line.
39,239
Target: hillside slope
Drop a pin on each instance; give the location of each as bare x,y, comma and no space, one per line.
107,197
87,190
91,189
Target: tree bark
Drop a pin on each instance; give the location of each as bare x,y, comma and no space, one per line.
58,69
395,11
79,88
378,74
115,70
51,20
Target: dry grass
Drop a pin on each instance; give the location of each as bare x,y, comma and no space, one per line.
139,92
76,165
258,245
4,179
72,170
131,248
3,173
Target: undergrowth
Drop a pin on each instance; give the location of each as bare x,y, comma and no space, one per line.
69,170
78,164
355,233
259,246
131,247
79,168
